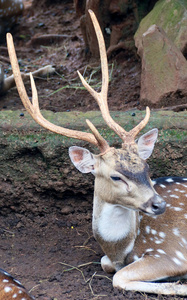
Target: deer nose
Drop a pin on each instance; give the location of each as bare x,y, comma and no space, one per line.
155,205
158,207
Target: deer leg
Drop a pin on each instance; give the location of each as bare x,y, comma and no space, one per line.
134,277
107,265
84,33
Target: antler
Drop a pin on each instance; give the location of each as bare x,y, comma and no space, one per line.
34,111
101,97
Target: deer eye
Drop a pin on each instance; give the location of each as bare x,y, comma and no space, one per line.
115,178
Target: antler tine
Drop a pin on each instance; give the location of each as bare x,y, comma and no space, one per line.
130,137
141,125
101,97
104,66
102,143
33,108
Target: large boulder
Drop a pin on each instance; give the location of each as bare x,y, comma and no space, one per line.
164,70
171,16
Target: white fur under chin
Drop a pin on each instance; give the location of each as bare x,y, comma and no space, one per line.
115,222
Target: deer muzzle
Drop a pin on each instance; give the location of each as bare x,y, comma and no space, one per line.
155,205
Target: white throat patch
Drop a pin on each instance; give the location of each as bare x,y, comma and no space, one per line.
115,222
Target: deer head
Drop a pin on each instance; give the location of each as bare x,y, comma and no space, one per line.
121,175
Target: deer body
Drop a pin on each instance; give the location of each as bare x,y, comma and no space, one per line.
140,227
10,10
10,288
135,235
160,248
138,247
151,236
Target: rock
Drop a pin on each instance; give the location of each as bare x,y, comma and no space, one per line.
164,70
66,210
171,16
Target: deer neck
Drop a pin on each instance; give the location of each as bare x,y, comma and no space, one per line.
114,224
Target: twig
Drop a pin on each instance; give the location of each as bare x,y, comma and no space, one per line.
174,108
103,276
9,82
73,268
85,247
89,263
35,286
78,86
87,240
8,231
89,281
5,59
90,286
48,39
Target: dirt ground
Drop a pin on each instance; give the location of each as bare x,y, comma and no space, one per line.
55,255
63,90
53,252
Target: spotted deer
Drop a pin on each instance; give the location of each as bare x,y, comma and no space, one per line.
140,224
11,288
10,10
6,83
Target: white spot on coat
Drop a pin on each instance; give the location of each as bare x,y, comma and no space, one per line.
162,234
153,231
176,231
180,255
177,261
162,186
7,289
147,229
174,196
177,208
161,251
169,180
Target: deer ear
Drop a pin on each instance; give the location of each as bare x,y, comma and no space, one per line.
146,143
82,159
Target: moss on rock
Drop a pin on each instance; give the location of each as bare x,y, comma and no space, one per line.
171,16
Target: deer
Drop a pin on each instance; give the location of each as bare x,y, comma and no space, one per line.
140,224
10,11
6,83
11,288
